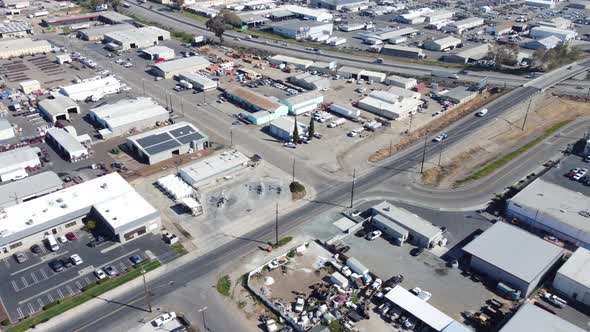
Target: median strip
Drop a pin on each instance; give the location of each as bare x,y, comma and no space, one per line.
493,165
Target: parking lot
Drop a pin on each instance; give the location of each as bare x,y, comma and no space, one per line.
31,285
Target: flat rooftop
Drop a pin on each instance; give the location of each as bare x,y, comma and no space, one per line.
407,219
167,138
254,98
577,267
58,104
61,205
129,111
14,192
214,165
126,208
183,63
422,310
529,317
556,202
289,59
498,244
19,155
67,141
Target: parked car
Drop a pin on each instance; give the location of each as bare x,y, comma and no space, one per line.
76,259
271,325
482,112
111,270
299,304
374,235
71,236
62,239
355,213
20,257
163,319
67,262
135,259
56,266
100,274
36,249
554,300
362,232
416,251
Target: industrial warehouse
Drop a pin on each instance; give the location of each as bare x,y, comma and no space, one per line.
13,48
17,163
93,87
128,115
171,68
166,142
58,107
265,109
137,38
110,200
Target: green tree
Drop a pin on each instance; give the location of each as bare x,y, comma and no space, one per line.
217,26
311,129
336,326
231,18
114,4
91,224
296,137
180,4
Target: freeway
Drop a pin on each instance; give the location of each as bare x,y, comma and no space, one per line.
125,303
179,22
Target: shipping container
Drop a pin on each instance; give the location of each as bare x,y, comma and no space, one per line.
345,111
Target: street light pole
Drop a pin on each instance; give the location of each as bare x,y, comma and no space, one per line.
440,153
423,153
147,293
202,311
526,114
277,224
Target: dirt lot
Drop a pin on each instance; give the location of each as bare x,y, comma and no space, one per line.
501,136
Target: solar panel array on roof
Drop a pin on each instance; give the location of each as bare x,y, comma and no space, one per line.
150,140
167,138
182,131
164,146
189,138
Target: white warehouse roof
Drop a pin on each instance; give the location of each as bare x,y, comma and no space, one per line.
407,219
529,317
126,208
577,267
497,246
211,167
422,310
129,111
90,85
14,159
183,63
67,141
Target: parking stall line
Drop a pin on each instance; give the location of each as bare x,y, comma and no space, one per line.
6,262
24,281
70,289
88,282
50,298
34,277
20,313
61,295
31,309
78,284
16,289
44,274
41,304
123,267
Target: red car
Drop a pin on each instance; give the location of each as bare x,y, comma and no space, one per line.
71,236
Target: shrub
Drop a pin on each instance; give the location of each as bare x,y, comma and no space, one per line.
5,322
224,285
296,187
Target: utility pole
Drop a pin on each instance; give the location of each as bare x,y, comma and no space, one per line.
277,224
352,189
526,114
587,95
202,311
423,153
410,126
231,138
440,153
181,106
293,170
145,289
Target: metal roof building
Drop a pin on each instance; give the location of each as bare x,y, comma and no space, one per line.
546,43
137,38
492,253
98,32
424,233
15,29
544,32
13,48
253,101
287,60
473,54
97,86
529,317
128,115
554,209
37,185
58,107
171,68
403,51
283,127
159,52
210,169
573,277
460,94
446,43
199,82
66,145
163,143
401,82
6,130
15,163
108,199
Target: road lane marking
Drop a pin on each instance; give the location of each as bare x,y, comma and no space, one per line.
6,262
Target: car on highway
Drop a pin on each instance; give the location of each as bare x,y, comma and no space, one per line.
71,236
135,259
111,270
482,112
76,259
374,235
56,266
100,274
440,137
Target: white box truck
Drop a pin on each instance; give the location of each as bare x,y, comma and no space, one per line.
345,111
336,123
356,266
